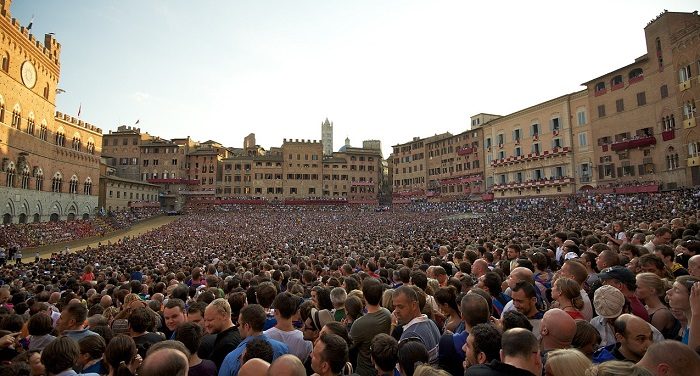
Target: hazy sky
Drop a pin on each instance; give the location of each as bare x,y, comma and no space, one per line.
387,70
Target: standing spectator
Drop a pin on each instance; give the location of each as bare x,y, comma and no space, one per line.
121,356
92,349
330,355
285,307
165,361
140,320
251,323
364,329
338,297
662,236
633,335
623,279
651,289
384,353
174,314
190,334
566,362
415,324
557,331
671,358
217,321
483,345
72,322
525,301
60,356
520,355
567,293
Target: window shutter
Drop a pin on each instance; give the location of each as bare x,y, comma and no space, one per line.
619,171
631,170
641,169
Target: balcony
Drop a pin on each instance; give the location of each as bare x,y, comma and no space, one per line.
636,79
362,183
668,135
600,92
466,151
531,157
634,143
173,181
552,182
461,180
616,86
689,123
685,85
694,161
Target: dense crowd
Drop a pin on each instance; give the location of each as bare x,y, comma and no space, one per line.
26,235
577,285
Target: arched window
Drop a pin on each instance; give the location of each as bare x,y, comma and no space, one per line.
25,177
671,158
30,123
694,149
87,186
6,62
617,80
56,182
60,137
636,73
10,175
17,116
76,142
43,131
73,185
600,86
689,109
39,179
91,146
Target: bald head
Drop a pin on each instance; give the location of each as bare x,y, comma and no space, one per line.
557,329
480,267
286,365
55,297
522,274
106,301
165,362
254,367
671,358
694,266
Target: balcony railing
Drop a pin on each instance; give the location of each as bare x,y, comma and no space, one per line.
531,156
461,180
173,181
668,135
553,182
634,143
466,151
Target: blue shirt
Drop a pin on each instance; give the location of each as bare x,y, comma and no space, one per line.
232,362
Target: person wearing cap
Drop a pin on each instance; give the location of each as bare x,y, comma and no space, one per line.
610,303
624,280
251,322
633,337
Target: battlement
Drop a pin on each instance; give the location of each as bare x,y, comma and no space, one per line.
127,129
297,141
77,122
51,48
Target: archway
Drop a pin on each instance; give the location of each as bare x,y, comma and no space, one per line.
22,218
54,217
86,216
71,216
37,218
7,219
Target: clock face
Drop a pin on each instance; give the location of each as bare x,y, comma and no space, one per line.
28,74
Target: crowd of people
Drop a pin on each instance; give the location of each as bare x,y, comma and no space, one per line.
579,285
28,235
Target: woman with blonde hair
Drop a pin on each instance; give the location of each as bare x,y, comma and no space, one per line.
650,290
567,293
569,362
617,368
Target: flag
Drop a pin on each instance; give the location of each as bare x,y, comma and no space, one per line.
137,121
29,27
80,108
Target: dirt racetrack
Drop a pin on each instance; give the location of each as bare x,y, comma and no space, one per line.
80,244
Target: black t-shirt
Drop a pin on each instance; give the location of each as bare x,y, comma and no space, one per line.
144,342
